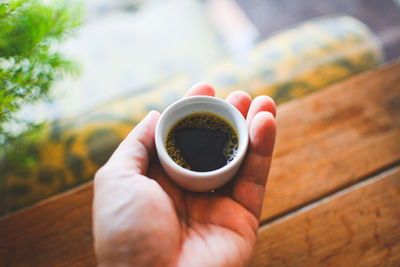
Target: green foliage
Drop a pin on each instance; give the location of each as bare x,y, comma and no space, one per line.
30,31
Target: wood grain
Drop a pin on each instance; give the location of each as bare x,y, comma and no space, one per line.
57,232
325,143
334,138
359,228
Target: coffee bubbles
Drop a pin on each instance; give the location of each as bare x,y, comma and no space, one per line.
202,141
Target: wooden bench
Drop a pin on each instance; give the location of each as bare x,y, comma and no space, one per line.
333,197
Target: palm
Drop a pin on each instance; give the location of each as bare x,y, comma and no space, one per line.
141,218
214,229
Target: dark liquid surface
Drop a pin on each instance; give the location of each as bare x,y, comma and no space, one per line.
202,141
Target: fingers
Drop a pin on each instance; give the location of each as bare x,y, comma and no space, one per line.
136,150
201,89
261,103
249,187
241,100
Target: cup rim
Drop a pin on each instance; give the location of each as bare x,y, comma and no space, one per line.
240,120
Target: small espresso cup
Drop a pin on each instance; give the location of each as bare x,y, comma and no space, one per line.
193,180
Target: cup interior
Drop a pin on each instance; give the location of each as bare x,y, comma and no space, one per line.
195,104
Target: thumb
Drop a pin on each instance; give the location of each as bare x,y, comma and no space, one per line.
136,150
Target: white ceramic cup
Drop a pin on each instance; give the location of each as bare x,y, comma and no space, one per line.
193,180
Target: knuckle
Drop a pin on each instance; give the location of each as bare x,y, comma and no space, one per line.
264,98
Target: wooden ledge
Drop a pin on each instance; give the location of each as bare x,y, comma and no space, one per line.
326,142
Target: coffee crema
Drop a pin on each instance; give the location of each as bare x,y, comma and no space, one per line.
202,141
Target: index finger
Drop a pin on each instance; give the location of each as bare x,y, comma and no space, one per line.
201,89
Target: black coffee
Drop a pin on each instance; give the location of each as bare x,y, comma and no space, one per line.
202,141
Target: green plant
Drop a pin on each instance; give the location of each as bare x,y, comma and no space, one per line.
30,31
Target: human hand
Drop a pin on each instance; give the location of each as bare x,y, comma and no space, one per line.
141,218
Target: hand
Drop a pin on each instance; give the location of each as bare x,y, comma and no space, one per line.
141,218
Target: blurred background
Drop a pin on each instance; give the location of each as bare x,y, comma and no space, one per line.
383,17
138,55
127,45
